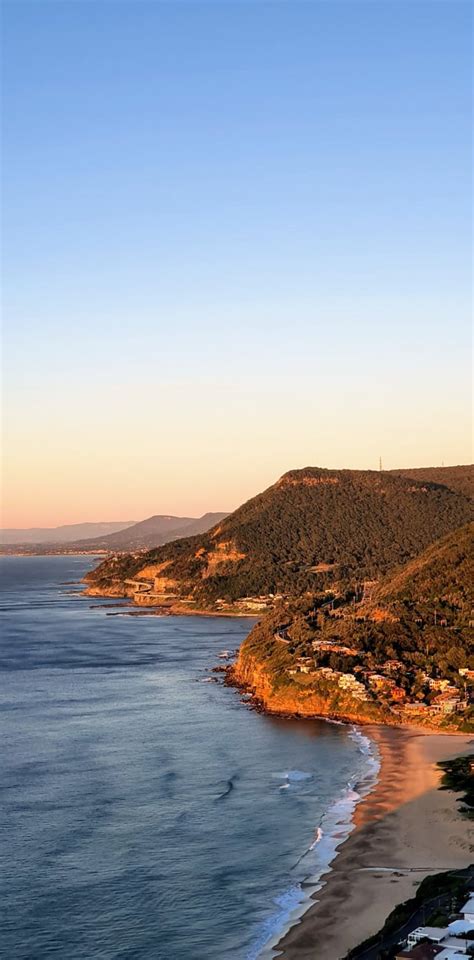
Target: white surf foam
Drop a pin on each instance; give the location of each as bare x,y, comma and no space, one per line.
334,828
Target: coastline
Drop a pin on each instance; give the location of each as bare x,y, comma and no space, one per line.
405,829
334,828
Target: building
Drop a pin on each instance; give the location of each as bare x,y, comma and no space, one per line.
332,646
379,682
457,945
422,951
351,685
416,709
427,943
446,703
434,934
468,909
441,685
448,954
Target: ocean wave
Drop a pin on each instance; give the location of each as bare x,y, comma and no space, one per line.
335,827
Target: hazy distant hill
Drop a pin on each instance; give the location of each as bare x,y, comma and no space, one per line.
460,478
155,531
131,537
309,529
63,534
150,532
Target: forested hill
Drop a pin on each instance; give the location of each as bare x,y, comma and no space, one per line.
311,528
404,655
442,575
460,479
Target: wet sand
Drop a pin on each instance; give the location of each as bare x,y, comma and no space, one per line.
407,824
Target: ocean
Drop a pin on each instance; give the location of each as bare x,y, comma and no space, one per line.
147,812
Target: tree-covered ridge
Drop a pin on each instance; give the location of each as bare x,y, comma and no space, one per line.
460,478
408,651
311,529
443,574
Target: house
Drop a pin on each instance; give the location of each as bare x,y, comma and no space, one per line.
435,934
423,951
426,943
416,709
468,909
305,664
253,604
397,693
446,703
449,954
379,682
457,945
332,646
440,684
355,687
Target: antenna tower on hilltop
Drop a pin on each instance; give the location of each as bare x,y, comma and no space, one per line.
380,464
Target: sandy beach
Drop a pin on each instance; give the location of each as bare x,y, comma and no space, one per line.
407,824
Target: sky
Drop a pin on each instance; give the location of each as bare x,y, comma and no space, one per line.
236,241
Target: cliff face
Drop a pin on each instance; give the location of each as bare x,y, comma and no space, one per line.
111,589
252,674
310,657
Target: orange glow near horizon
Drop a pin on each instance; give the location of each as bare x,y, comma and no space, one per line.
143,464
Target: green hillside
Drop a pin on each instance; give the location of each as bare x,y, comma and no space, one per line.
443,574
408,651
311,529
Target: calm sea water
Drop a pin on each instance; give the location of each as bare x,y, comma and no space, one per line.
147,815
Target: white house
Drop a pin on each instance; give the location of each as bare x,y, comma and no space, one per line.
468,909
435,934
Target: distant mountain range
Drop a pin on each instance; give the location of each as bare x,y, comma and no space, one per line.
113,537
64,534
311,529
153,532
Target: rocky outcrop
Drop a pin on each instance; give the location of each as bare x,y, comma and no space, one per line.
251,674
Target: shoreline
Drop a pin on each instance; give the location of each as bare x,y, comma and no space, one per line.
145,610
405,829
334,829
259,705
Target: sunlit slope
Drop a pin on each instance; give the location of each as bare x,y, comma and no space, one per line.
460,478
312,528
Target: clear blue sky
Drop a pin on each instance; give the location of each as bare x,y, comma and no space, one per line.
236,241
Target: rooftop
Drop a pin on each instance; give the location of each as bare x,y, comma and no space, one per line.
422,951
469,905
431,933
